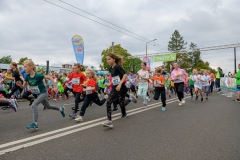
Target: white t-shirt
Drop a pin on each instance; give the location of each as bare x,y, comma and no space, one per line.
1,85
55,80
143,74
197,83
68,85
206,80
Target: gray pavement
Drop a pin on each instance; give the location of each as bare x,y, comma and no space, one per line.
196,130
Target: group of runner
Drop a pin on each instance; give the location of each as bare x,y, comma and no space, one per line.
119,88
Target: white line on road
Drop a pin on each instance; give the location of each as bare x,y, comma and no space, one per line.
69,132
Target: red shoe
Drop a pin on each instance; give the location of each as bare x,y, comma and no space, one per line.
57,98
67,98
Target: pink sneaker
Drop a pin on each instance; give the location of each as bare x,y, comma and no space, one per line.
144,106
1,95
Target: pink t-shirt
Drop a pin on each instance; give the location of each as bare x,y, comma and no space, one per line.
179,78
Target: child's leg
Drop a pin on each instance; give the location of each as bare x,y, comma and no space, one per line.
111,97
86,103
163,96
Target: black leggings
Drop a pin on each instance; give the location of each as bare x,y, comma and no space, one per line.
122,102
160,91
67,89
116,101
132,87
91,98
14,89
3,93
191,89
211,87
4,103
179,89
78,99
100,90
26,94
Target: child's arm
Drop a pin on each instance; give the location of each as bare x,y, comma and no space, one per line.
19,83
89,89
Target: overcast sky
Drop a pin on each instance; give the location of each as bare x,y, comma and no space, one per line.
41,31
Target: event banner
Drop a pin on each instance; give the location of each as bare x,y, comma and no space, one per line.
78,47
147,60
228,83
166,57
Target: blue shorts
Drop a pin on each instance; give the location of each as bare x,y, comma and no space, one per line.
237,89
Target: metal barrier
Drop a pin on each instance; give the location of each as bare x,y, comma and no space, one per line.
228,86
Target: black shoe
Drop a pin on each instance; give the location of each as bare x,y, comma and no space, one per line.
73,108
170,96
91,104
124,116
6,108
44,108
196,97
115,110
207,99
201,99
31,102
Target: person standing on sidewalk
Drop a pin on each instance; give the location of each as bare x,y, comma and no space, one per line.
219,75
237,76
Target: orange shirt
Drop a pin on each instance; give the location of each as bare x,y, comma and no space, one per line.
212,77
77,80
159,79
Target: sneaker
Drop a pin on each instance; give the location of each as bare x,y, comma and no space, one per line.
44,108
73,108
79,118
196,98
134,99
55,99
6,108
124,116
191,97
144,106
115,110
218,91
74,115
180,103
207,99
107,124
31,102
91,104
1,95
63,111
237,100
149,98
106,96
67,98
33,126
183,101
13,105
201,99
163,108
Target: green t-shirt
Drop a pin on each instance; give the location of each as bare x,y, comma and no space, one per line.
191,82
101,83
167,84
36,83
61,89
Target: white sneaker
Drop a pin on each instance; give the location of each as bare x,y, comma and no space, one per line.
183,101
180,103
149,99
107,124
79,118
106,96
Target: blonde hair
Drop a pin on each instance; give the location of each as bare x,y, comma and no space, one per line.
93,73
30,63
118,59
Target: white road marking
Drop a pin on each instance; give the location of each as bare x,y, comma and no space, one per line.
69,132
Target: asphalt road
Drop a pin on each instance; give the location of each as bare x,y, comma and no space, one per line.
194,131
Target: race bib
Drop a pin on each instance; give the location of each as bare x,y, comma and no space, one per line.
34,89
166,85
197,82
155,83
178,79
206,81
191,77
116,80
88,92
76,81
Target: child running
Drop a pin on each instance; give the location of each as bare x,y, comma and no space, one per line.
77,78
206,79
68,88
35,81
158,81
91,94
197,78
119,88
143,77
167,84
60,89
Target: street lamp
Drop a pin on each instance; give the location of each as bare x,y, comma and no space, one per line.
147,43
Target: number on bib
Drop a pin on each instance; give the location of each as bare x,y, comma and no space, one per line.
116,80
34,89
88,92
76,81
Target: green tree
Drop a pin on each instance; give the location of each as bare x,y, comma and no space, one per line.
194,57
22,60
135,65
205,65
127,63
6,59
175,44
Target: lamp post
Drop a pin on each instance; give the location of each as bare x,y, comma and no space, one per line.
147,43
